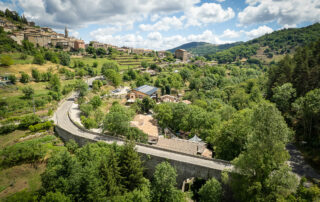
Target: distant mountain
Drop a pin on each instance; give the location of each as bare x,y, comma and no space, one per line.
187,46
203,48
270,46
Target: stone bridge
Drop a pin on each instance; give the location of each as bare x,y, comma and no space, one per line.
187,165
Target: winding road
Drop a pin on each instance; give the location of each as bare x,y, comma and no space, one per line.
62,119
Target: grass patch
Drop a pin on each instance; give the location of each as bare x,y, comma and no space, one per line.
18,178
11,138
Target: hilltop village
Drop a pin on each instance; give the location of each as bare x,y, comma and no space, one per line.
47,38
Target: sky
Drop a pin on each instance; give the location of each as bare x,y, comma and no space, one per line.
165,24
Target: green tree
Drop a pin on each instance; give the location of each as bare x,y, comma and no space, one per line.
91,50
130,167
113,76
232,138
28,92
147,104
144,64
12,78
96,102
54,83
55,197
36,75
101,51
163,113
109,65
38,59
307,112
185,74
163,184
64,58
6,60
117,121
25,78
211,191
283,96
265,153
109,170
82,87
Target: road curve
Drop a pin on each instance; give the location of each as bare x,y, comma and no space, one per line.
62,119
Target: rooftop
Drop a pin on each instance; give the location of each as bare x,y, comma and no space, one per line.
148,90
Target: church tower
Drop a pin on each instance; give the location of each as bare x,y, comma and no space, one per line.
66,32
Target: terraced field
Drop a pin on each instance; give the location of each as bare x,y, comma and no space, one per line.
125,61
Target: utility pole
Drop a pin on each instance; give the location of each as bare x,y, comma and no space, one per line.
34,108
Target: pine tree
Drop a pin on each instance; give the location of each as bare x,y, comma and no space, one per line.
130,167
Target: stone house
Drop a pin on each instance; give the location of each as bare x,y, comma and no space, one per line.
79,44
182,54
161,54
141,92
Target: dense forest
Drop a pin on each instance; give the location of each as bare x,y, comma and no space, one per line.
203,48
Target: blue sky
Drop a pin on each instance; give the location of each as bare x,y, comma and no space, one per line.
166,24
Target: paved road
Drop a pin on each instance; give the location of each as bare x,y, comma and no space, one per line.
299,165
61,118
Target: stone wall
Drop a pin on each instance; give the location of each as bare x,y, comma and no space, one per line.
67,136
184,170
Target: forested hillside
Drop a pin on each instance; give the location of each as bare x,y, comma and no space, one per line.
294,86
279,42
203,48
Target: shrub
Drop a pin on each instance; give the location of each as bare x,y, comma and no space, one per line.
96,101
41,126
38,59
6,60
86,109
12,78
55,95
24,152
28,92
137,135
36,75
23,56
40,102
72,146
7,128
211,191
28,120
25,78
95,64
88,122
64,58
67,89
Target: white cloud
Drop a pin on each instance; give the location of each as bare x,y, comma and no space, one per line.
258,32
208,13
74,34
220,0
164,24
74,13
155,40
105,31
6,5
230,34
154,17
285,12
154,36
